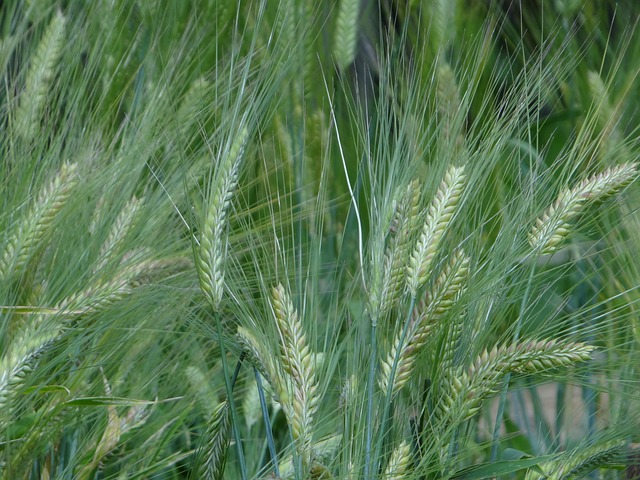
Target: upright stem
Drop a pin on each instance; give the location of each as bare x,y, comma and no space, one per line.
371,380
228,384
267,424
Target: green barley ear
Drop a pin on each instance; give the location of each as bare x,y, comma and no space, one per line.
122,225
346,33
579,462
213,454
399,462
464,390
605,112
441,212
39,78
404,225
449,102
211,252
297,362
555,224
191,107
448,288
101,294
202,389
37,223
18,360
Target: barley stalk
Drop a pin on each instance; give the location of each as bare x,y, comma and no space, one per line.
39,78
296,359
554,225
448,288
399,462
439,216
37,223
212,250
213,455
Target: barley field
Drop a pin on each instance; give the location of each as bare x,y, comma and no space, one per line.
319,239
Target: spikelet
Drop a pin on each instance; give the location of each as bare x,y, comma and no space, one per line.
465,390
440,214
404,224
399,462
449,286
34,96
296,359
554,225
122,225
579,462
211,252
346,33
37,223
213,454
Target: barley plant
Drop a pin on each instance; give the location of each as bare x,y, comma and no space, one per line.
300,239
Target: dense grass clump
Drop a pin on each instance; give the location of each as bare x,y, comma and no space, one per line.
300,239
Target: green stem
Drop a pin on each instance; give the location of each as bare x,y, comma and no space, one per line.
372,378
267,423
228,384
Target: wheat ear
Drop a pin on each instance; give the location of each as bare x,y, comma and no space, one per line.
212,250
38,83
448,288
346,33
439,216
399,462
554,225
404,224
296,359
213,454
466,389
579,462
122,225
37,223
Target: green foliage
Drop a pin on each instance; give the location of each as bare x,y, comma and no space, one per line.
306,239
